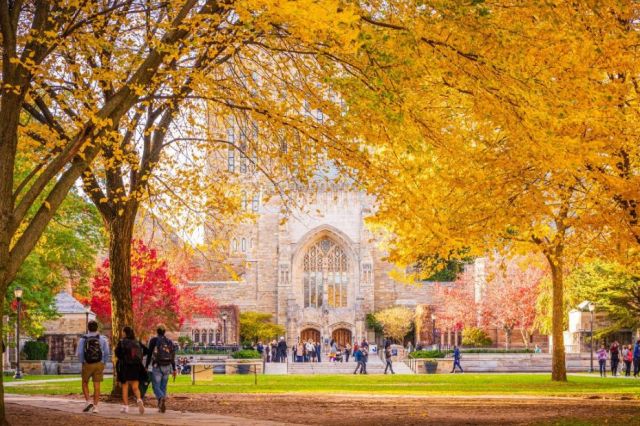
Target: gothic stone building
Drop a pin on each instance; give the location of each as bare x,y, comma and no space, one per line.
318,271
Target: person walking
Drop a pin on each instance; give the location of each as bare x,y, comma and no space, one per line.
129,354
162,358
602,360
456,360
614,352
347,351
365,358
357,356
627,358
318,351
636,358
93,353
387,357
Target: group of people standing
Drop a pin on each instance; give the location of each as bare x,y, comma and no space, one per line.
308,351
628,354
274,351
132,366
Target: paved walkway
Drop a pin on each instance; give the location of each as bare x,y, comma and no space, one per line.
151,415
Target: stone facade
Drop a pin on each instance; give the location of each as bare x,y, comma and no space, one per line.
324,247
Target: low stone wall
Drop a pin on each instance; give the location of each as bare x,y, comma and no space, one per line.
205,370
37,368
508,363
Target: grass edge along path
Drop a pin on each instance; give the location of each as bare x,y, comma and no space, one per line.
468,384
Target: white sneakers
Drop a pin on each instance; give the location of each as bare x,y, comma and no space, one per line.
140,406
124,409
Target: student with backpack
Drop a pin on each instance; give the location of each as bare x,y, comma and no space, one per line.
93,352
163,362
129,367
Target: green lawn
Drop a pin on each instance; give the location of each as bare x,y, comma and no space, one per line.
26,378
442,384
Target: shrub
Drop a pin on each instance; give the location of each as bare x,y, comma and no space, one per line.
185,341
497,351
246,354
427,354
34,350
475,337
373,324
202,352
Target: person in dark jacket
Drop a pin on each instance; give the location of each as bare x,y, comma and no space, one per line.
614,352
318,351
129,368
282,350
456,360
357,356
387,357
636,359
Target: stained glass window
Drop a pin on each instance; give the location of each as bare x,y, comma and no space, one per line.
325,263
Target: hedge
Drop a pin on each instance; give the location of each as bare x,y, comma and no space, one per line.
35,351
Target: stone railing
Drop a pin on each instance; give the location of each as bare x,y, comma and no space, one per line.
505,363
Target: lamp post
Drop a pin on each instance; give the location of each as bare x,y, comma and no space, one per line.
86,320
18,294
224,328
433,328
592,309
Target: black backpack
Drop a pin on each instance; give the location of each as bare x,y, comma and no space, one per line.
132,351
92,349
163,352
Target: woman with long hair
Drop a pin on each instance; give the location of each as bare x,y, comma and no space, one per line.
129,366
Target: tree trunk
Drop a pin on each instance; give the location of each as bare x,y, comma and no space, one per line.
120,233
559,368
507,334
3,419
526,336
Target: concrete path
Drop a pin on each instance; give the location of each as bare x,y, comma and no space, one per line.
151,415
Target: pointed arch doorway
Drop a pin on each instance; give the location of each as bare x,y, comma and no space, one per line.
342,336
310,334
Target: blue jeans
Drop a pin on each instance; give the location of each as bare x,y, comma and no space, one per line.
603,367
159,379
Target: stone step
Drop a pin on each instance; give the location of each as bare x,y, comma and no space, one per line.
374,366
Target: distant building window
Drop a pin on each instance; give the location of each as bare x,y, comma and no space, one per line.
243,151
255,203
196,336
244,245
234,245
231,160
211,337
243,202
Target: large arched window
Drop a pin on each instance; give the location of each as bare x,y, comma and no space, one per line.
325,263
196,336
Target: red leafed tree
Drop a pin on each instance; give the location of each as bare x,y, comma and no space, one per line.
510,296
158,296
458,307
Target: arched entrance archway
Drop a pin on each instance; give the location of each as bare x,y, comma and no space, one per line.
310,334
342,336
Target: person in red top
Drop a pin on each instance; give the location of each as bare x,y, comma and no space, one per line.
627,358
